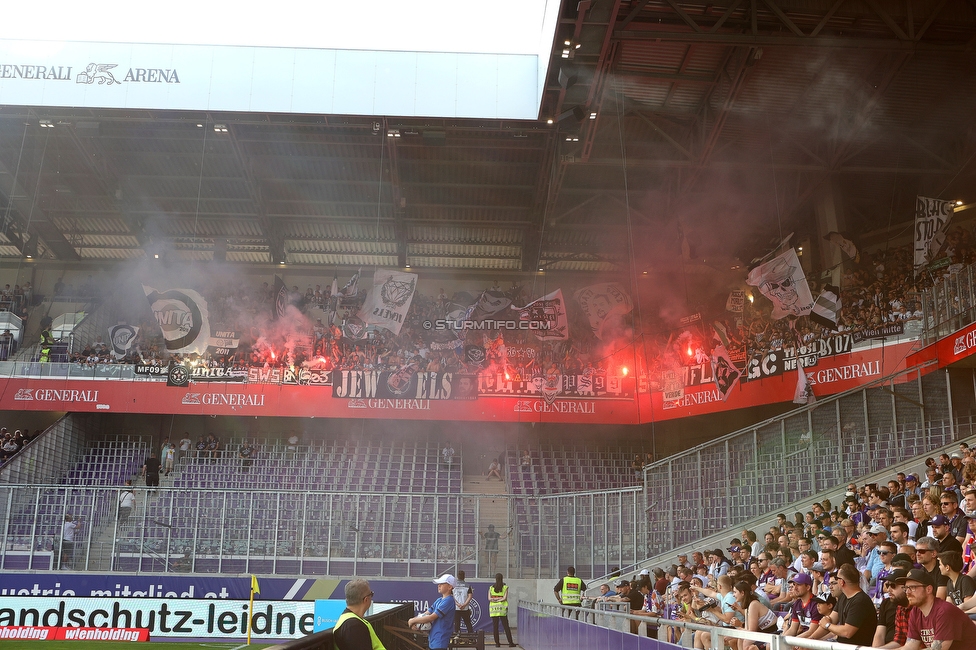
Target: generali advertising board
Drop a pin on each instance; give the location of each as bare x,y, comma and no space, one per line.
831,375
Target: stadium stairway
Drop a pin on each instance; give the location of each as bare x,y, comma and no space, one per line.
492,509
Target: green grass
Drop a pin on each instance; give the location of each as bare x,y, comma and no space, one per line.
121,645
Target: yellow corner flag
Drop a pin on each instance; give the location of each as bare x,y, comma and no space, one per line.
255,589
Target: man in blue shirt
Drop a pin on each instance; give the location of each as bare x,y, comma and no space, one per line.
440,615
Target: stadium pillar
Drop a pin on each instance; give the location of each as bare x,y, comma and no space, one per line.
829,211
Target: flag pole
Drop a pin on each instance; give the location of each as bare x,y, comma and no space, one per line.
255,589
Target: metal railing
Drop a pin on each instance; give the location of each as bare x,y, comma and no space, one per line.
949,304
738,477
49,457
621,622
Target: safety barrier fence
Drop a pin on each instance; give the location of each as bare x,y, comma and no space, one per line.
741,476
301,532
545,626
949,304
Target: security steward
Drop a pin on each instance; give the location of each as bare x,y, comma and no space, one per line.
47,340
352,631
569,590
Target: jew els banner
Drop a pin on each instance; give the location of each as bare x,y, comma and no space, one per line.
387,304
183,318
781,280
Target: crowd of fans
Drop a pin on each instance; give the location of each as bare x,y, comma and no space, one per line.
11,443
882,289
852,572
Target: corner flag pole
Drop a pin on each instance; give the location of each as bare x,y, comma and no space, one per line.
255,589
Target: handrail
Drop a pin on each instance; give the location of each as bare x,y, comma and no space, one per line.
718,634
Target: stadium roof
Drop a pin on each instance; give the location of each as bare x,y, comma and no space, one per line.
727,122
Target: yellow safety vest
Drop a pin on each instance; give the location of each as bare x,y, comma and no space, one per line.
497,601
571,590
377,644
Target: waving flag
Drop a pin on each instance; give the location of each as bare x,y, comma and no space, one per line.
781,280
183,318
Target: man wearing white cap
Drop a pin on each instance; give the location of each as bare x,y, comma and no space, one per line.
440,615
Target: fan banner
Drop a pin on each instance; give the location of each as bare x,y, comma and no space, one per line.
736,301
781,280
183,318
932,218
724,371
549,314
122,338
804,389
279,298
826,311
387,304
601,302
845,244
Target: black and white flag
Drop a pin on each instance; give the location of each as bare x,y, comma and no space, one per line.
183,318
724,372
781,280
826,310
122,336
387,304
804,389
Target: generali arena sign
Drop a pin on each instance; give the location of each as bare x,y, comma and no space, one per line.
523,403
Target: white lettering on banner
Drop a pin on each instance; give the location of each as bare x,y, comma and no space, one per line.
32,633
223,399
56,395
397,404
232,399
964,342
844,373
558,406
164,617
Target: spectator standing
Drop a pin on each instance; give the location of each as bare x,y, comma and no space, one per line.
462,600
448,454
169,457
440,614
68,532
491,546
185,446
127,501
150,470
352,631
933,621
